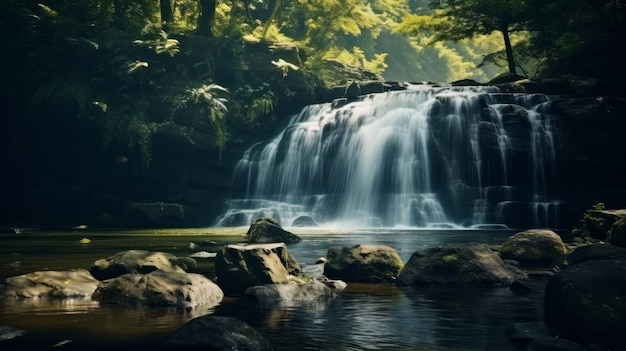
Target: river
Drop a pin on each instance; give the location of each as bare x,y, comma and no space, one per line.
363,317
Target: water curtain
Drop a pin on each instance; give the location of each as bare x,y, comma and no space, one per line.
427,156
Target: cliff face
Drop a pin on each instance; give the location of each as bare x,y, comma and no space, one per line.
56,173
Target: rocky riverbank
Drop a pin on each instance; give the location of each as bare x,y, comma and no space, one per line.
584,283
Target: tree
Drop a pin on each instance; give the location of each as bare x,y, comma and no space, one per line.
455,20
206,18
167,15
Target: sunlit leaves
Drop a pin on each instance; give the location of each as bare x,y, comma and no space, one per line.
357,58
134,66
160,43
209,97
284,66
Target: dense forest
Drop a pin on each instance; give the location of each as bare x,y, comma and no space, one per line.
101,55
122,69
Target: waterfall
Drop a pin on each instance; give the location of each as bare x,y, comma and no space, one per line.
427,156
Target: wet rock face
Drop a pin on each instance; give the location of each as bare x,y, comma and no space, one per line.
472,264
585,303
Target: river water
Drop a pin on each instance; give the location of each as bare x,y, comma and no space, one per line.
363,317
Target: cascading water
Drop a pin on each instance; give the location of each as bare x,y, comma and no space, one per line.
422,157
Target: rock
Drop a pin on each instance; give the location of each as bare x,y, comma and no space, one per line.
293,292
216,333
139,261
458,265
314,271
239,267
49,284
160,288
591,252
267,230
203,254
335,284
585,303
534,248
363,263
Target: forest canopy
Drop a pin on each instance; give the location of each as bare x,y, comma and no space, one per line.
110,59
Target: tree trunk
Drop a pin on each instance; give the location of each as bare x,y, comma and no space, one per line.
206,18
167,16
277,5
509,49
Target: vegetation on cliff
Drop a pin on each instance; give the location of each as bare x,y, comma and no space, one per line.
110,76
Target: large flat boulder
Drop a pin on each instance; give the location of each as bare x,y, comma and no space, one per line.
160,288
470,264
139,262
49,284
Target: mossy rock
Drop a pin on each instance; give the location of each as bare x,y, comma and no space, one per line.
267,230
363,263
533,248
471,264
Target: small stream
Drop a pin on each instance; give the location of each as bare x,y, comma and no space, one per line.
363,317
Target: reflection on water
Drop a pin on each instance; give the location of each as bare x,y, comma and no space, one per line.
364,317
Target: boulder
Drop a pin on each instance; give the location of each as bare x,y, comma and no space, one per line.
267,230
596,251
160,288
294,292
534,248
139,261
214,333
458,265
49,284
585,303
363,263
239,267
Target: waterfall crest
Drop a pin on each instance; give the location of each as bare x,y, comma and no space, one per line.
435,157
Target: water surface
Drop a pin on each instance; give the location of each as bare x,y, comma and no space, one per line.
364,317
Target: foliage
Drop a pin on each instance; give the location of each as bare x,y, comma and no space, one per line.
249,103
455,20
158,40
207,100
591,225
108,61
357,58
